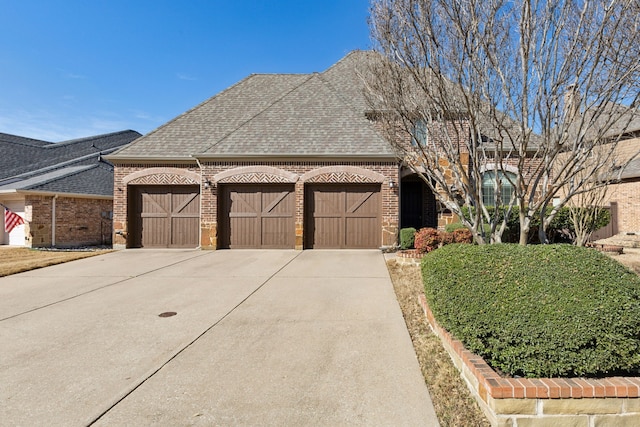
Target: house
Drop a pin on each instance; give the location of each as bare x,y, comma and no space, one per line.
63,191
623,194
274,161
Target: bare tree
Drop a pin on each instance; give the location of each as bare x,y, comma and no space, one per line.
502,103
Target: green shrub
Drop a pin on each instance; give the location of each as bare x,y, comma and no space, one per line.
450,228
407,236
538,311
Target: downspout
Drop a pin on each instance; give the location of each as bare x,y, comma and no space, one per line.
200,215
53,221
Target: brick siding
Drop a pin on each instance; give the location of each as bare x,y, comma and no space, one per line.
626,195
264,172
79,221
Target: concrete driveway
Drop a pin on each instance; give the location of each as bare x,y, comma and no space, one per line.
259,338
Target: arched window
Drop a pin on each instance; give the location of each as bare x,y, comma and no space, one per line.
489,187
420,135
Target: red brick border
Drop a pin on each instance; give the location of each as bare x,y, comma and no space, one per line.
492,384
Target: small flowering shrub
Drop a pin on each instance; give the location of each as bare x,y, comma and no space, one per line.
462,235
427,239
447,238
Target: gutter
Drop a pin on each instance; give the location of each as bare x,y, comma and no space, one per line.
133,159
302,157
52,193
53,221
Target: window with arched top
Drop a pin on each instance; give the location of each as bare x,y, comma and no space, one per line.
420,135
492,181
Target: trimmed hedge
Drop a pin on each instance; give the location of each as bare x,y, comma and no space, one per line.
538,311
561,229
407,236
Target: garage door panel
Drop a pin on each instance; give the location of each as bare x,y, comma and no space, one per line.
243,233
155,231
276,233
167,216
328,233
359,232
186,231
257,216
342,216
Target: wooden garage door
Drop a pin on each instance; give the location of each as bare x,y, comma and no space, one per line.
342,216
257,216
169,216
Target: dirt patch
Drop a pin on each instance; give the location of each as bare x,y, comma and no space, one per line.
630,257
451,398
17,260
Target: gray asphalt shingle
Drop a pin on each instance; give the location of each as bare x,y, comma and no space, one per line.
320,114
74,166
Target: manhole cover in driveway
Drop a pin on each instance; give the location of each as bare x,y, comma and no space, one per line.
167,314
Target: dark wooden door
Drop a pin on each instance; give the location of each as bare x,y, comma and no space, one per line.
342,216
169,216
257,216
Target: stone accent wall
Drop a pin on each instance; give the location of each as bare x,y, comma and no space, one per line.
298,172
517,402
78,222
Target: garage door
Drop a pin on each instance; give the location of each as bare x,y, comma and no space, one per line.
342,216
257,216
166,217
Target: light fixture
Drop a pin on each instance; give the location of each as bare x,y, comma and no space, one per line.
391,183
207,184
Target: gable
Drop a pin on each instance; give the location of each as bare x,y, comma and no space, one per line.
290,115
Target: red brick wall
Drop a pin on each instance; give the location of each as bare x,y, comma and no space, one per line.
209,204
79,221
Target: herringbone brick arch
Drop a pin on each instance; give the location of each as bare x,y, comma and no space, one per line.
163,179
255,178
341,177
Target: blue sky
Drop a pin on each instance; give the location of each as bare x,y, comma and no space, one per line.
70,69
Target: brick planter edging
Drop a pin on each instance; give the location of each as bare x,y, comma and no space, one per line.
569,401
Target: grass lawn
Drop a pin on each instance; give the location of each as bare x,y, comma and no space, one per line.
16,260
451,398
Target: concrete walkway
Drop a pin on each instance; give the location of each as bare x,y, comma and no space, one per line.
259,338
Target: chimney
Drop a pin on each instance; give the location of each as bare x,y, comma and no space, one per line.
571,102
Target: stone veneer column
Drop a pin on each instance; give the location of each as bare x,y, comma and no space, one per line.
299,219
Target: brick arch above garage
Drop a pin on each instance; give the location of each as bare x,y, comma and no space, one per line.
258,174
342,174
162,176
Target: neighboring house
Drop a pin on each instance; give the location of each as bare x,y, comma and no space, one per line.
624,195
63,191
274,161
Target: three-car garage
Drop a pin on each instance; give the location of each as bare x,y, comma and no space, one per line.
259,216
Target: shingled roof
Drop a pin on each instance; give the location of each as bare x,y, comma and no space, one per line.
76,166
277,115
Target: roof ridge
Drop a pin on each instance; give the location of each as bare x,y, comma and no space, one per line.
262,110
35,182
88,138
59,165
80,169
21,142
